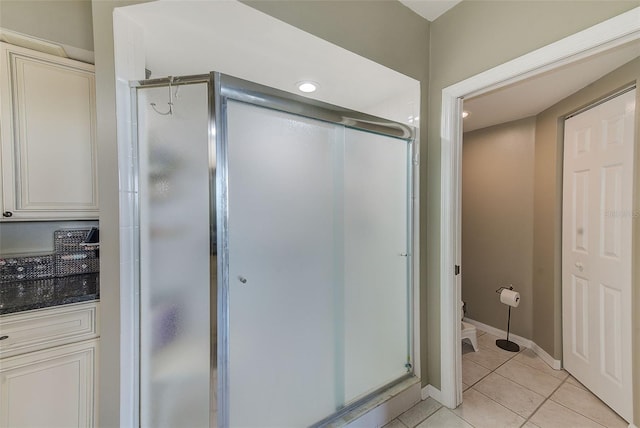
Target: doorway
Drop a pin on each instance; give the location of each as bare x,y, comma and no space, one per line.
552,57
498,243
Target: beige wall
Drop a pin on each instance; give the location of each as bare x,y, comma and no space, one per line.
392,35
472,37
63,21
497,222
384,31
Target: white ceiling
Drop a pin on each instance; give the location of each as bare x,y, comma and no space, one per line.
534,95
430,9
194,37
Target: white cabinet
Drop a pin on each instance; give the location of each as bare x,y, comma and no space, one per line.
48,129
54,386
50,388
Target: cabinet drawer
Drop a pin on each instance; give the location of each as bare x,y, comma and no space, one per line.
45,328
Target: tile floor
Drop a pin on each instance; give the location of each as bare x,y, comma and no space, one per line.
505,389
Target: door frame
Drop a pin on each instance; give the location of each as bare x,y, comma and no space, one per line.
596,39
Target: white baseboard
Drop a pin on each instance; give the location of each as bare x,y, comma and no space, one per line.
433,392
544,356
526,343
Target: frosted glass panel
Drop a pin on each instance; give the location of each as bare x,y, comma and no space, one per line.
318,265
282,351
375,261
175,258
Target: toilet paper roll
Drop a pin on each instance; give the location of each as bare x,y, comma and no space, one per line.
510,297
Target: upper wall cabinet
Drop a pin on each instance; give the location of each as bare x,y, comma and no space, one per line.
48,130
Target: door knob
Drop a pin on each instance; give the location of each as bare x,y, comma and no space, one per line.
242,279
7,214
579,266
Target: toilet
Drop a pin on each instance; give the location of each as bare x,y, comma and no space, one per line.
468,331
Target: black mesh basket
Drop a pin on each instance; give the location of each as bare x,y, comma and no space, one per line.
72,258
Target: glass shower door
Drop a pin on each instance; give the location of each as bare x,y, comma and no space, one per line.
318,265
376,262
281,283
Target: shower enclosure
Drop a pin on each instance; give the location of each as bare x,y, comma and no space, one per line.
275,252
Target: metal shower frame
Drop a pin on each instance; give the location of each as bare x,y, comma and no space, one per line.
222,88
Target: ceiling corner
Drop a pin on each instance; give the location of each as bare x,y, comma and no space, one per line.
430,9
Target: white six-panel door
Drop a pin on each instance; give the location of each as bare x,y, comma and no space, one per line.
596,256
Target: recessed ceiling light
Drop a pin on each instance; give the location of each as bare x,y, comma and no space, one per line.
307,86
465,114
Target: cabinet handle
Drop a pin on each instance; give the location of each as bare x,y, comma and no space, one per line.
4,337
7,214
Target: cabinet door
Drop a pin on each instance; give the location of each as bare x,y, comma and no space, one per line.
52,388
48,137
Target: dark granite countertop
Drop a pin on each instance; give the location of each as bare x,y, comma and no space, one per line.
43,293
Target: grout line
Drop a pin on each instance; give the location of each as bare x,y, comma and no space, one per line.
480,392
490,371
538,370
521,386
402,423
533,368
498,403
421,421
545,400
585,389
460,417
479,380
525,363
453,413
577,412
493,371
430,414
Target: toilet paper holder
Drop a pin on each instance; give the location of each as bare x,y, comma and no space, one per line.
507,345
499,290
